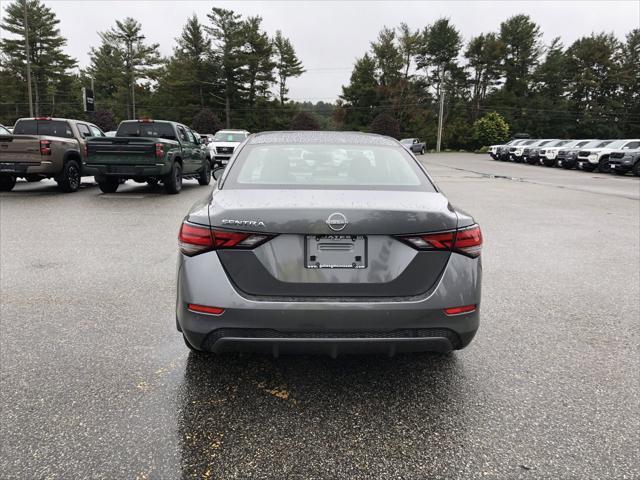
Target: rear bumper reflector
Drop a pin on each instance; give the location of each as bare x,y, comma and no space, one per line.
460,310
205,309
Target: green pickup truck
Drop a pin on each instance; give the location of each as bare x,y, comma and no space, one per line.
149,151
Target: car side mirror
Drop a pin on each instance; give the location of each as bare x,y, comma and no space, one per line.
217,173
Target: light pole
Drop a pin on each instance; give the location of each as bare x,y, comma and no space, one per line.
26,48
440,115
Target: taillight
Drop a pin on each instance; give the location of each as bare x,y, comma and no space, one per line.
467,241
159,150
196,239
45,147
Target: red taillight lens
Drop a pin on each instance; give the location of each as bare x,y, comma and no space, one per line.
195,239
460,310
467,241
159,150
205,309
45,147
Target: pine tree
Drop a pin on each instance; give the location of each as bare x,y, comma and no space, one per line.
227,32
440,47
388,58
49,64
194,49
139,60
287,64
360,97
521,39
258,59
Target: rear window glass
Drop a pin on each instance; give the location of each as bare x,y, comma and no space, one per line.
52,128
146,129
327,166
229,137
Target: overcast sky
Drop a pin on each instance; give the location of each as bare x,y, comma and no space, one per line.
329,36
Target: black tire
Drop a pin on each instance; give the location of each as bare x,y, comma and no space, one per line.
422,151
192,348
69,179
109,184
7,182
204,176
32,178
604,166
173,181
636,169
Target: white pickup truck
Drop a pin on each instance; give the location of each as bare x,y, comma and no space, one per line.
223,145
598,158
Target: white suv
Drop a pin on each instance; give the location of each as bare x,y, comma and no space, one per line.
223,145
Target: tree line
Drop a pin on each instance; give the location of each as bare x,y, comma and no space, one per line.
226,71
222,72
588,89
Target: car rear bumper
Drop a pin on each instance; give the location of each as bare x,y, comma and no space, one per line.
332,325
26,168
128,170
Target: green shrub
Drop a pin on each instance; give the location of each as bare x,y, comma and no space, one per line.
490,129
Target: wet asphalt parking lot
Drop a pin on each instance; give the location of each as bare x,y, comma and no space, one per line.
96,383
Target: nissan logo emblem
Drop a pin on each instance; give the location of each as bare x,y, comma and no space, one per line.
337,221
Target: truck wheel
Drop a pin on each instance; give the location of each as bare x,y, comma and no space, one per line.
69,179
204,177
422,151
7,182
173,181
604,166
636,169
109,184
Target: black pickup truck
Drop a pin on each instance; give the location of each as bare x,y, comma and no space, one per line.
149,151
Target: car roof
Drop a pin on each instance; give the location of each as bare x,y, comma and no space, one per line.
321,137
232,130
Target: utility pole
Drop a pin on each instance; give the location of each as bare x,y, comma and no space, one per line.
439,142
26,47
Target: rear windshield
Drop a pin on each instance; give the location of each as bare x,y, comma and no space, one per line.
52,128
229,137
146,129
358,167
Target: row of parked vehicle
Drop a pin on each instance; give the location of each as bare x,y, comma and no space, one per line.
145,150
618,156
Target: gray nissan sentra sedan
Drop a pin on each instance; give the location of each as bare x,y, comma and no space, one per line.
327,242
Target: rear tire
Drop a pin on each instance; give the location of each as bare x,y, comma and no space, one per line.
7,182
204,177
636,169
173,181
109,184
69,179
